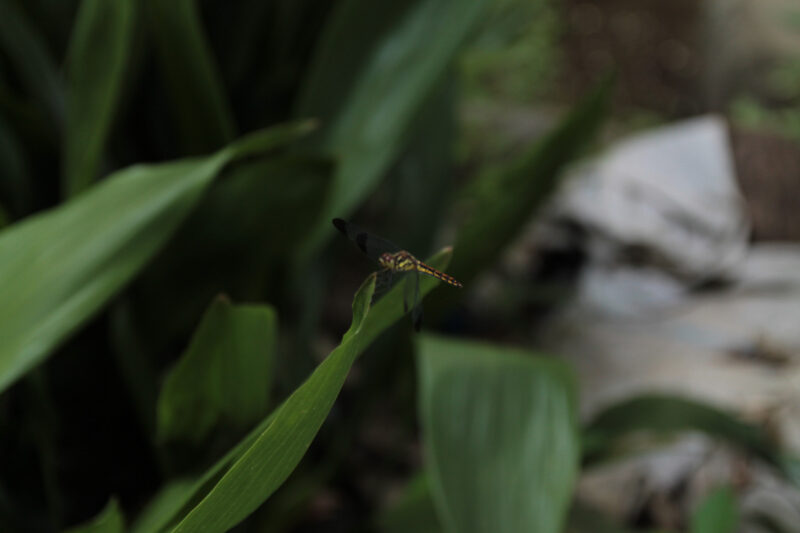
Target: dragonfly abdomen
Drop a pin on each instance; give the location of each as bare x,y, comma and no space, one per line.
405,262
425,269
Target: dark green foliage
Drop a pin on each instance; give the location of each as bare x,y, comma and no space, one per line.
367,89
142,176
201,110
96,253
248,474
95,64
110,520
223,377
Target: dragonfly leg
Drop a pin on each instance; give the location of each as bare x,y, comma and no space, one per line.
416,301
416,317
408,292
382,284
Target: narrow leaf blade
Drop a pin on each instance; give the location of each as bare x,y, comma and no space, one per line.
498,203
95,66
27,50
202,113
110,520
374,67
664,413
239,482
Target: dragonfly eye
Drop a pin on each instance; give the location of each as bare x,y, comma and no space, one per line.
386,259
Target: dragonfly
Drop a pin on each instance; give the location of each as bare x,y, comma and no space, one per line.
393,261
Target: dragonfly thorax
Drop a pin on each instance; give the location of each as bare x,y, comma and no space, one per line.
399,262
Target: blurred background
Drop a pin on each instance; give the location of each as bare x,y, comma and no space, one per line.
618,181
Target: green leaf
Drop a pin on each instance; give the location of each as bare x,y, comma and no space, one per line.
223,375
239,482
27,52
284,207
373,68
663,413
499,434
95,66
271,202
717,513
59,267
585,519
174,496
421,184
414,511
204,119
670,414
497,204
110,520
30,122
15,186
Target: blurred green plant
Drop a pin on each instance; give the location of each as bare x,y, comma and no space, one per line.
98,242
717,513
110,520
224,375
664,414
514,57
95,68
151,177
779,110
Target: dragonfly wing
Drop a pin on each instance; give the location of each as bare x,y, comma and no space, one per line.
408,292
371,245
383,283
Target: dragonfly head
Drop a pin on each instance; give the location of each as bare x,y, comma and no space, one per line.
386,260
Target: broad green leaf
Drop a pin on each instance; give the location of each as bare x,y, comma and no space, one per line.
499,430
95,66
414,511
59,267
239,482
224,375
110,520
26,50
373,68
496,206
717,513
204,119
